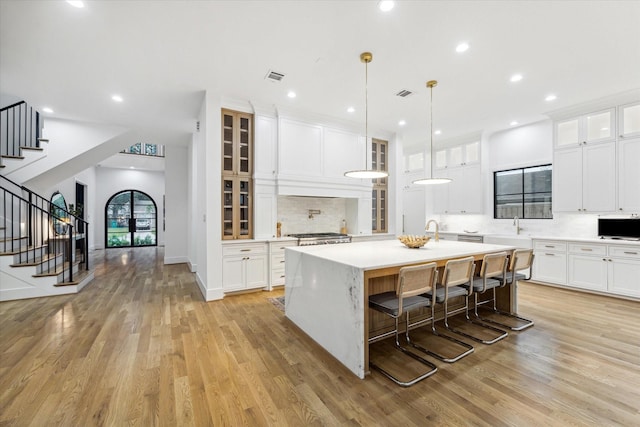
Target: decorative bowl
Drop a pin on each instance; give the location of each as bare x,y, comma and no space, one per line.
414,242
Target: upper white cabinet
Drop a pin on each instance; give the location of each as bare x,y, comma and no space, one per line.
463,195
459,155
595,168
584,179
598,126
629,175
265,147
629,120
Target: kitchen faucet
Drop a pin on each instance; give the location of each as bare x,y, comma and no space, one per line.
516,222
437,236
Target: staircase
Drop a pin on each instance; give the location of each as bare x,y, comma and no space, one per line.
43,248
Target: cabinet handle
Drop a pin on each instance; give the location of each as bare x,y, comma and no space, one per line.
549,246
587,249
604,259
547,254
631,253
282,247
245,250
282,277
620,209
281,262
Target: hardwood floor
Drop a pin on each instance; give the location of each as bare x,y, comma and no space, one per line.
139,346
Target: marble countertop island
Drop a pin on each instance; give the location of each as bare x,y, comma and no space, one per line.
327,288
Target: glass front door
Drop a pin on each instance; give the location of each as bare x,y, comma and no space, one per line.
131,220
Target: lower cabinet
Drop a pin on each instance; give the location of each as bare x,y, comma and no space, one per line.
244,266
588,267
276,253
608,268
624,270
550,263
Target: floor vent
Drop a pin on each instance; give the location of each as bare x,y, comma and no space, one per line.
404,93
274,76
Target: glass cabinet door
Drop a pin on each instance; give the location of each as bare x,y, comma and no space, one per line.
599,126
568,133
630,120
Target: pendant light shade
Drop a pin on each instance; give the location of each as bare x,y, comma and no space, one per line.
366,173
431,180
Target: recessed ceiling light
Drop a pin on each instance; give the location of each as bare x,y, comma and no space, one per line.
350,110
386,5
437,132
550,97
47,110
117,98
462,47
76,3
516,77
402,122
513,123
291,94
131,167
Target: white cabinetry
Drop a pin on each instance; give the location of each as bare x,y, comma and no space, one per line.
276,254
265,147
598,126
629,120
629,175
550,263
624,270
458,155
609,268
244,266
588,266
463,195
584,178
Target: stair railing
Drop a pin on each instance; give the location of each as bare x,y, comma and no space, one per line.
20,126
31,217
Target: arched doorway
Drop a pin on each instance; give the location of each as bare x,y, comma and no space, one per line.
130,220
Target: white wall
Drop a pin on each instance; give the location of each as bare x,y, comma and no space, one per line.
176,208
111,181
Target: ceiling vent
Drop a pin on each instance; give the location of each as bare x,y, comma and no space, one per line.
404,93
274,76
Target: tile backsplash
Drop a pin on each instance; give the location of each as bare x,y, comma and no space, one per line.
293,213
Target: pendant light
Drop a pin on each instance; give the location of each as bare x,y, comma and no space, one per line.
431,180
365,173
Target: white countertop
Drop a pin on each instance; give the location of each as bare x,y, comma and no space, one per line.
392,253
589,240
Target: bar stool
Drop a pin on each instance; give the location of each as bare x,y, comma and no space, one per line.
521,259
458,277
412,282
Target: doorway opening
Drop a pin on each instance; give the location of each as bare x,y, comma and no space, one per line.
131,220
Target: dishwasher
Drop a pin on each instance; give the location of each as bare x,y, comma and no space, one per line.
468,238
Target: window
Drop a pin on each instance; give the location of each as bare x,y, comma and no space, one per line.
525,193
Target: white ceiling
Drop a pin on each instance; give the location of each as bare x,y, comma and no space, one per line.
162,55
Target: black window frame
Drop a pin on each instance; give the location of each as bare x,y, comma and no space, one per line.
522,193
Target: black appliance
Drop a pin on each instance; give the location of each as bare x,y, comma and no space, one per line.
308,239
619,228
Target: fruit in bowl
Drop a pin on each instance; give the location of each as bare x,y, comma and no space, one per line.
414,242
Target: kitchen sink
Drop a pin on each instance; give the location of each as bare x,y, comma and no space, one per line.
509,239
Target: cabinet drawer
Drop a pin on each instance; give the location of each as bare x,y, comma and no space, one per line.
587,249
625,251
277,260
244,249
278,247
549,245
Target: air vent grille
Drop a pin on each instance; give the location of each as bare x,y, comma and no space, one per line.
404,93
274,76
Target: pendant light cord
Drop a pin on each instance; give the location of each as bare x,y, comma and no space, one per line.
431,130
366,112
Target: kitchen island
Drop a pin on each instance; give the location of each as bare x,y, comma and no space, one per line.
327,288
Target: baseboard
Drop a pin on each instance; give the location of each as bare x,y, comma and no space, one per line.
176,260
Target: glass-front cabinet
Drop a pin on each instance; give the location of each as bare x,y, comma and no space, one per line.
379,203
598,126
629,120
237,168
